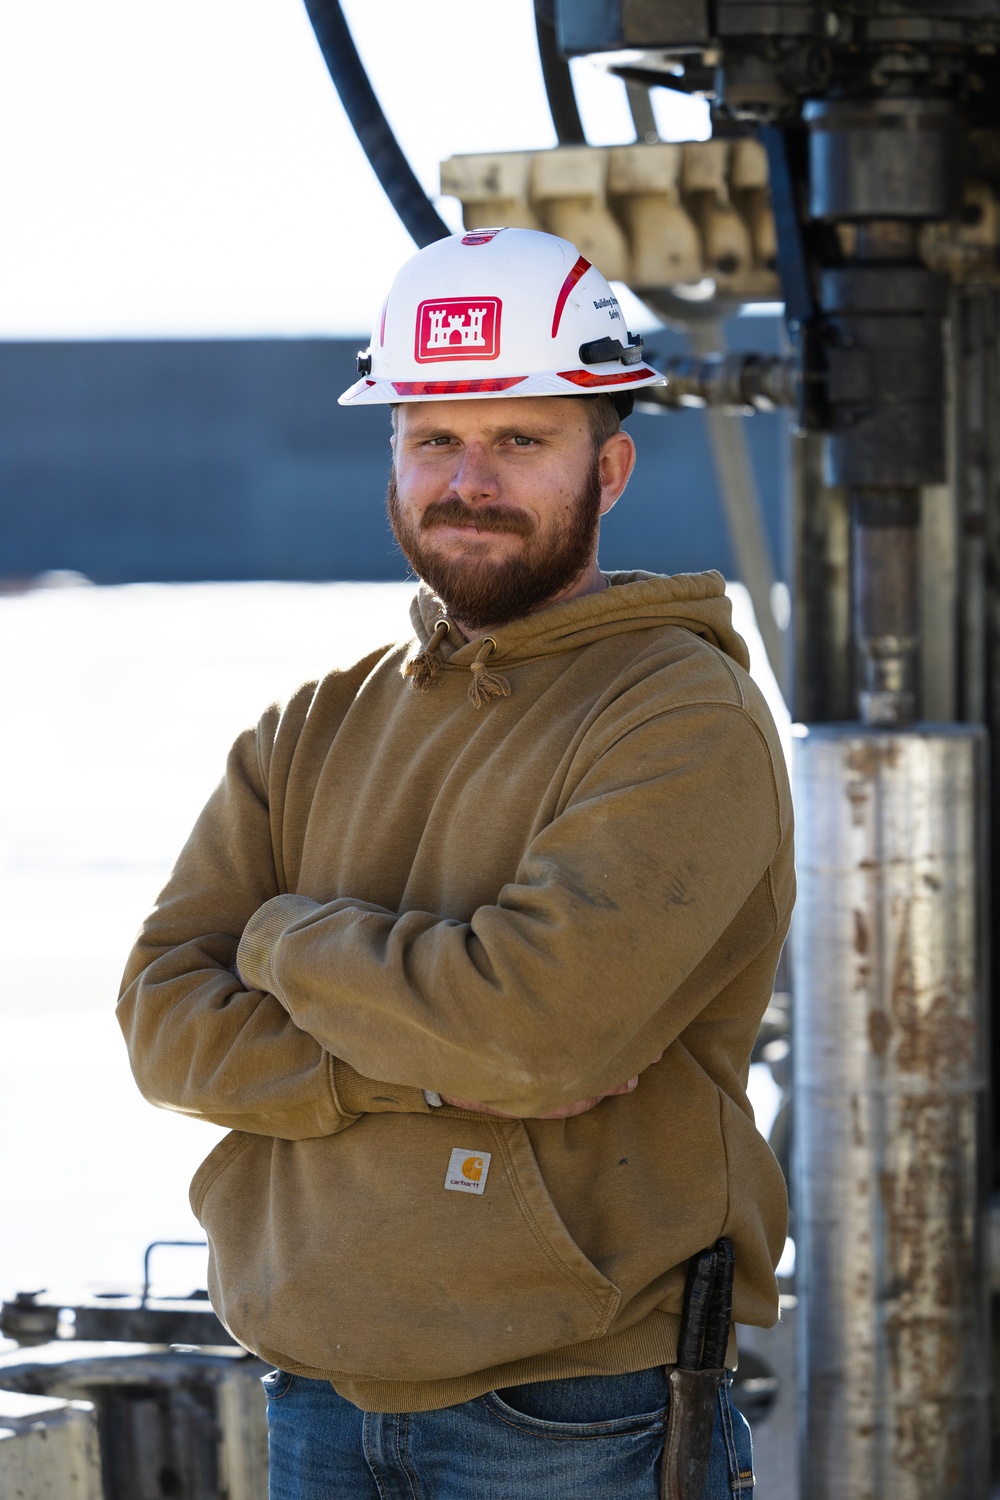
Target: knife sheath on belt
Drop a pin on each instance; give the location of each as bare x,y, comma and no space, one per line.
698,1373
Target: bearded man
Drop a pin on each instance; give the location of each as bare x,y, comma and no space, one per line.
470,947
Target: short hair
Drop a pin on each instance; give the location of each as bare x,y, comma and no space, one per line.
604,419
602,414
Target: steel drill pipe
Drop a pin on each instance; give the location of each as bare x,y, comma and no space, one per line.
891,1066
886,596
735,382
885,373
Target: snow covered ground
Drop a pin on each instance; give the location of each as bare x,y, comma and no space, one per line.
119,705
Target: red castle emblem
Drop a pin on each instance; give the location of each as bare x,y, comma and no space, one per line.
458,328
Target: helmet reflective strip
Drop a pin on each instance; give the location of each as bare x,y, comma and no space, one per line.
454,387
580,269
589,378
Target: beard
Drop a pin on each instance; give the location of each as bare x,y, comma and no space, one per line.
477,592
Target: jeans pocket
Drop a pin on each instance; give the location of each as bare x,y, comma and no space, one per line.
276,1384
585,1407
645,1422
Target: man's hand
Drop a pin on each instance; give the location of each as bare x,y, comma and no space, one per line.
566,1113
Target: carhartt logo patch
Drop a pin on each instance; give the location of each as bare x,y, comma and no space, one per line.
458,328
467,1171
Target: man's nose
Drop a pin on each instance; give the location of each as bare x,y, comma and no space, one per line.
475,477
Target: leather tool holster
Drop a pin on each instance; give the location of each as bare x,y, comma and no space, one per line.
690,1416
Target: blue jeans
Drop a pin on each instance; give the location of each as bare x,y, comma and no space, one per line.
598,1437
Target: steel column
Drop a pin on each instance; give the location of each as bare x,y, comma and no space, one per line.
892,1063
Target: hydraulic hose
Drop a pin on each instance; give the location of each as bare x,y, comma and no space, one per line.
558,80
397,178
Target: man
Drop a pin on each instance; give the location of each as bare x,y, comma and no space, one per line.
470,947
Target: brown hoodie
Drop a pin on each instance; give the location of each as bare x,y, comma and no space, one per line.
523,903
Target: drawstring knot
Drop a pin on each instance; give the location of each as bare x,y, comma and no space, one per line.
486,684
426,665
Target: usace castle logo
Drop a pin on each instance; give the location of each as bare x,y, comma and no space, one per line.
458,328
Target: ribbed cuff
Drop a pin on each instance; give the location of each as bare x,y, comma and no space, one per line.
253,957
358,1095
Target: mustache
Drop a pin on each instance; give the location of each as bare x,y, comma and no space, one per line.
482,517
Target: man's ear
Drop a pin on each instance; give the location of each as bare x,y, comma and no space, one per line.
616,462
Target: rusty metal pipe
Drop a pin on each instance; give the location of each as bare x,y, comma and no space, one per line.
891,1066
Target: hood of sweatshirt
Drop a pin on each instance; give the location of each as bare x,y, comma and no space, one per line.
633,601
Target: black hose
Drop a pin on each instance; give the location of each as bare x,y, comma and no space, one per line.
558,80
420,218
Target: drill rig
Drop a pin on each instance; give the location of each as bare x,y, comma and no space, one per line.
879,122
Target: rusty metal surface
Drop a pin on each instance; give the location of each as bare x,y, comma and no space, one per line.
891,1076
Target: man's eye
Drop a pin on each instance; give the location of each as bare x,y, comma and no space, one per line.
522,442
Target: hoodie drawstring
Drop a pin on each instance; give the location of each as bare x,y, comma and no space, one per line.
424,668
426,665
486,684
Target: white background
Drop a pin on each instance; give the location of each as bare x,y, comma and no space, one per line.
186,168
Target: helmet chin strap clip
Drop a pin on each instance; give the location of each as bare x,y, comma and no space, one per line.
364,363
600,351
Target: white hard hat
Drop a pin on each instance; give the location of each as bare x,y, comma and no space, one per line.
499,312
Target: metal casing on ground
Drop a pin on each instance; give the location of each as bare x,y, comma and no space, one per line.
173,1422
891,1128
49,1449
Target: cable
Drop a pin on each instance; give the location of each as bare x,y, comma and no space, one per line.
399,183
558,80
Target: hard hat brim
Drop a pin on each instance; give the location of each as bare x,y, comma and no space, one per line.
594,380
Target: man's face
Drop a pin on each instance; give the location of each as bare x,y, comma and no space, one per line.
496,503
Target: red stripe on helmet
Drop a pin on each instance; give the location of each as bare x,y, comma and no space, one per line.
381,330
455,387
581,267
589,378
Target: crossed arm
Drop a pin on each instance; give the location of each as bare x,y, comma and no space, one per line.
580,1107
353,1008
